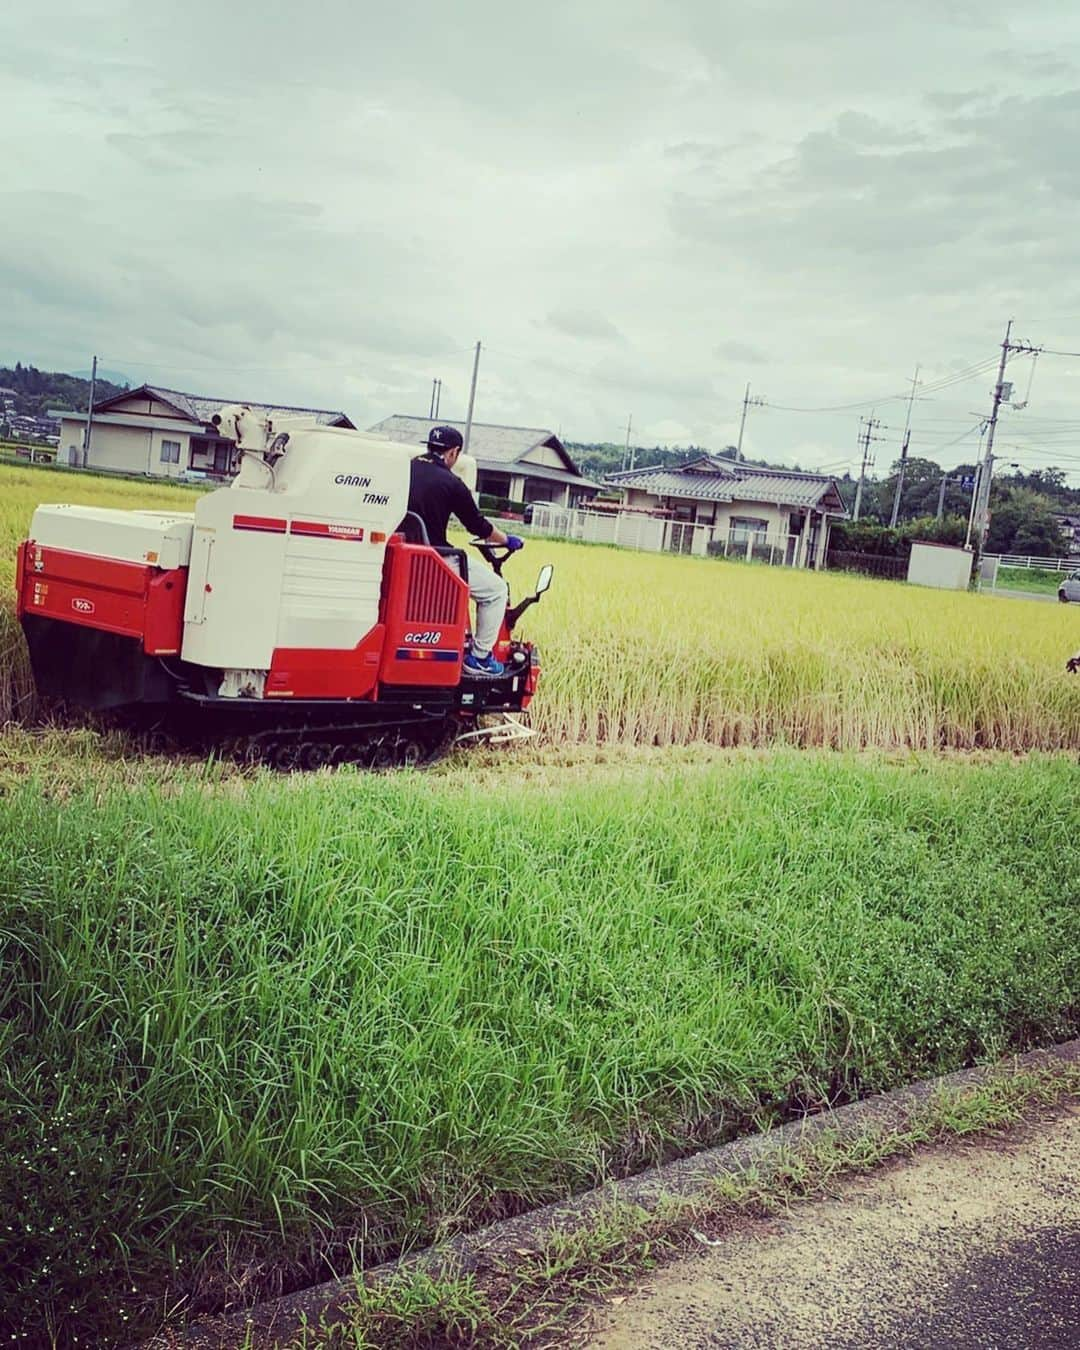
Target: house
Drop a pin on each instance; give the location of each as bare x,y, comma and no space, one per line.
740,505
1070,532
163,433
517,464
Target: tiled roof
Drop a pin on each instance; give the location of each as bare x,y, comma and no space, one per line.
491,445
536,471
672,483
200,408
720,480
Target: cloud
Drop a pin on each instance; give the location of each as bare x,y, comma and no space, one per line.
633,206
581,323
732,349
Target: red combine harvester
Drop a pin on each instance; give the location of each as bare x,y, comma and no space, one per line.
288,617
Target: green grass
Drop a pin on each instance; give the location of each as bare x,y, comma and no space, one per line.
1040,580
248,1026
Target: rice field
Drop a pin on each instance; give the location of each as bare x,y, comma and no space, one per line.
641,649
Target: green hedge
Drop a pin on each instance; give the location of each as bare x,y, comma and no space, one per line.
862,536
488,502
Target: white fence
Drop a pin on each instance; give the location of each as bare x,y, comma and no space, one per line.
1025,560
655,535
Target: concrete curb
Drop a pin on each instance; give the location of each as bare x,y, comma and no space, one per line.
286,1317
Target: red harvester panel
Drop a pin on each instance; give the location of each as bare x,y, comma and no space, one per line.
300,672
426,612
131,599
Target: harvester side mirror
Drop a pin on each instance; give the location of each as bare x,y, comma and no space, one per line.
543,581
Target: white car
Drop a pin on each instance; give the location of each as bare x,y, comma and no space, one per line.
1070,588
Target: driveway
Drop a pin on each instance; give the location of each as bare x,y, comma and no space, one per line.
965,1246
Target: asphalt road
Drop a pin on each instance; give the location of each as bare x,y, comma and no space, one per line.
966,1246
1023,595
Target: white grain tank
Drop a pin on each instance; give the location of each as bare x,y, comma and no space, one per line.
291,554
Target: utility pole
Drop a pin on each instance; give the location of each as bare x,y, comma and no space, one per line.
431,410
626,448
870,425
472,400
747,402
986,467
976,491
89,413
438,397
977,537
945,480
903,453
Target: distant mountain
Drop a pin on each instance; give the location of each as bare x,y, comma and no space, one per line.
38,390
115,377
597,459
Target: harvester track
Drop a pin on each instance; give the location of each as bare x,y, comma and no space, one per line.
291,749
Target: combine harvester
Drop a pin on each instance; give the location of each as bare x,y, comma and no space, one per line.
286,619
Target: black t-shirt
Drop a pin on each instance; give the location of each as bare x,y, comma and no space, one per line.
436,494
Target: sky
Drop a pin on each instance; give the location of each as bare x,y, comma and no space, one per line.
638,209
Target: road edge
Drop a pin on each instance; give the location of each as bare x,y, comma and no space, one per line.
658,1190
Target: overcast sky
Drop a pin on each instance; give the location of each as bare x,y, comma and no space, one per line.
637,207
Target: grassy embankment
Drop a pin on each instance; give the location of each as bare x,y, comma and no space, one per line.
642,649
1039,580
247,1023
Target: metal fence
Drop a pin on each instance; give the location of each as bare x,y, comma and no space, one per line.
780,550
657,535
868,564
1029,561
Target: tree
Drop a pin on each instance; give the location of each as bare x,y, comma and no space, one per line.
1022,521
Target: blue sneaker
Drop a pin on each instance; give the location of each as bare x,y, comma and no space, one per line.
483,665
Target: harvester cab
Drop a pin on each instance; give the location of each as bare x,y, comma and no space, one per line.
288,615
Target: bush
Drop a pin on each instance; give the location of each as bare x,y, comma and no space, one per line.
500,505
861,536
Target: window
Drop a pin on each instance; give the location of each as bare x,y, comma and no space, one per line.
741,528
170,452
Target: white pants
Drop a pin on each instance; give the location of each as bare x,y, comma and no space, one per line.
491,594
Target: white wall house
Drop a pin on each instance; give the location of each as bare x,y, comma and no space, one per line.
740,506
523,464
161,432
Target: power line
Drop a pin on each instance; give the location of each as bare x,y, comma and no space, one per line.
945,382
960,376
947,445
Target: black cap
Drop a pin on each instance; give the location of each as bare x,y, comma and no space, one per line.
443,439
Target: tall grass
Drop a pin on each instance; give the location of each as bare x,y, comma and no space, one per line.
649,649
243,1024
